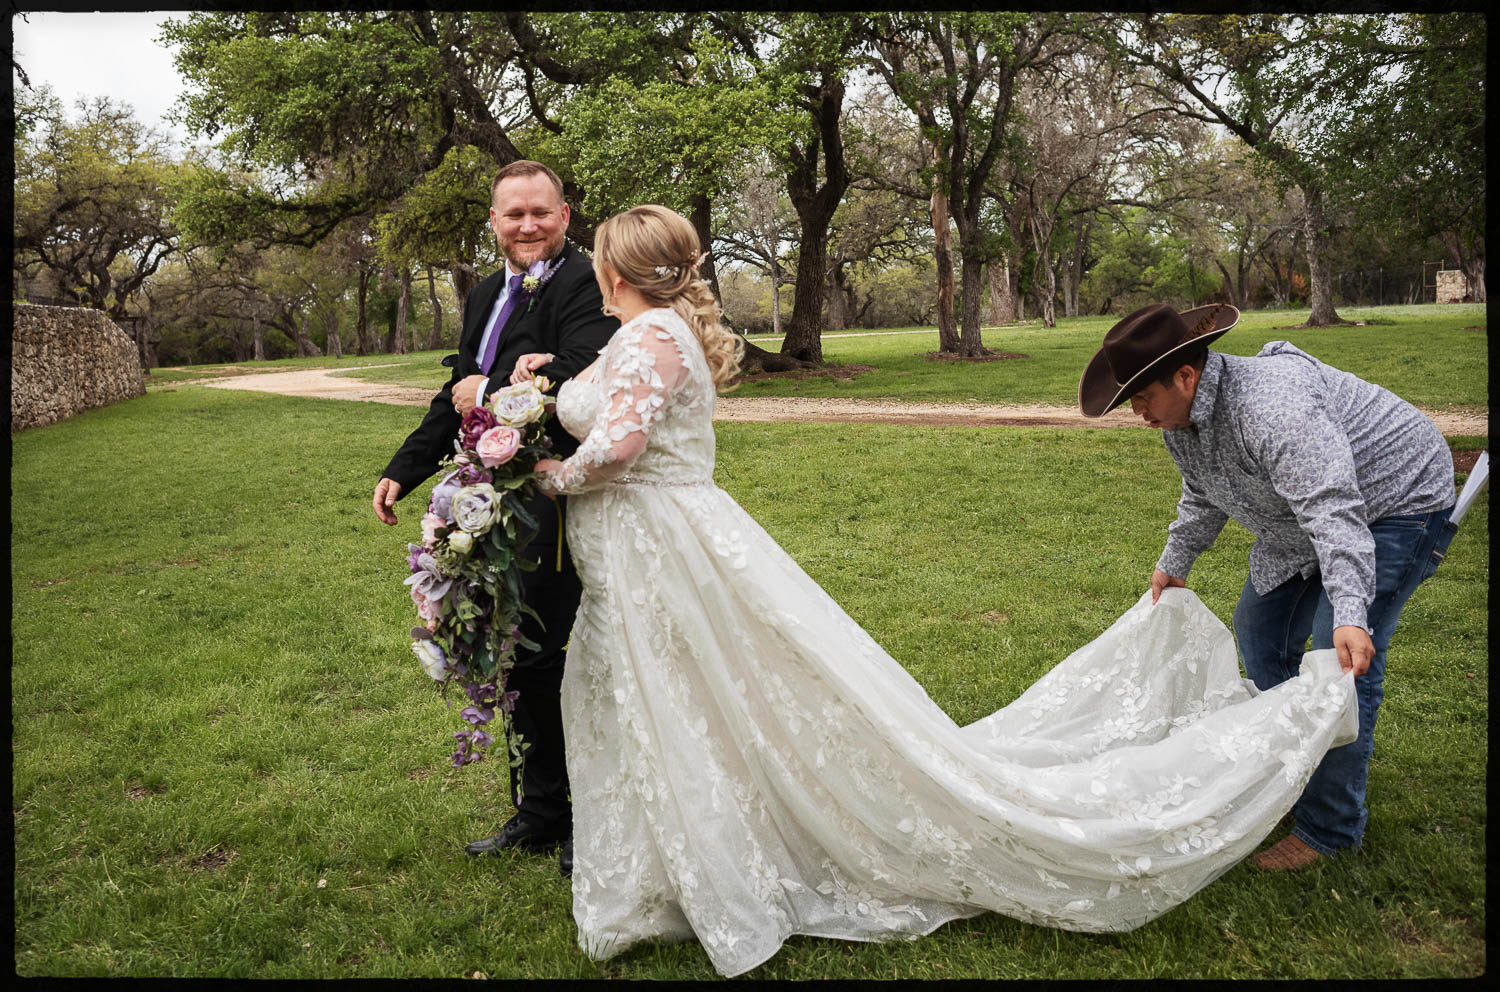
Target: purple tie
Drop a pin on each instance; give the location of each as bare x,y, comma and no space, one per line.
500,319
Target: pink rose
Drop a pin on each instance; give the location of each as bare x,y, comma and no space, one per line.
427,609
498,445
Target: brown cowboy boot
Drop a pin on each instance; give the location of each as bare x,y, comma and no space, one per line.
1287,854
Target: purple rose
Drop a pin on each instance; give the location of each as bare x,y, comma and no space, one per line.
428,580
476,422
472,474
442,496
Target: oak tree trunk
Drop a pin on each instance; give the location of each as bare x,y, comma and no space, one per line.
361,318
1043,278
257,333
815,205
434,339
335,344
1319,265
942,240
305,346
403,307
703,223
971,340
465,278
804,332
838,304
775,299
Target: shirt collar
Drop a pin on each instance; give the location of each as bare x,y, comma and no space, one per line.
535,270
1207,396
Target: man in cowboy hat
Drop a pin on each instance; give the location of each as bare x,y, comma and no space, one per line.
1346,487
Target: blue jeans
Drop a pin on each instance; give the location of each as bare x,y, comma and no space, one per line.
1272,632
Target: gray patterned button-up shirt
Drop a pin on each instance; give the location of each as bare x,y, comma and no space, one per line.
1305,457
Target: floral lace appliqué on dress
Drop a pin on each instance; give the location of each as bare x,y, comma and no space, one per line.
748,764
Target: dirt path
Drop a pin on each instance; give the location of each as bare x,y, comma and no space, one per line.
322,383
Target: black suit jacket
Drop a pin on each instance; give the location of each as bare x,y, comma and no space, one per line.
565,320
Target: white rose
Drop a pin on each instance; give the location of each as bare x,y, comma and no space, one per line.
432,658
461,541
518,404
476,507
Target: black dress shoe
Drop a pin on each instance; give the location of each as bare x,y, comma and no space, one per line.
518,833
565,859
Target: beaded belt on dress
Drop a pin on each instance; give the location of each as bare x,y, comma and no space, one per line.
636,480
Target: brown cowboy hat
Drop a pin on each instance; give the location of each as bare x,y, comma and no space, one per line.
1137,347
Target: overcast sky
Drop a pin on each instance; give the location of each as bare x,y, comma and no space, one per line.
101,54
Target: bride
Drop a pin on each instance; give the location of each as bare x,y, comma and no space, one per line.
748,764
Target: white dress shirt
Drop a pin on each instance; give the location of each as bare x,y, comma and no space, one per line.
489,323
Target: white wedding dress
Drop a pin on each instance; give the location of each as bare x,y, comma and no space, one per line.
748,764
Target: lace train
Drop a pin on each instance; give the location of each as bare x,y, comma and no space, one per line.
748,764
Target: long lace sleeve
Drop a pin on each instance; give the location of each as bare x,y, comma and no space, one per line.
640,370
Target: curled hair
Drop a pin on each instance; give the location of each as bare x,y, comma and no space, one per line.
656,251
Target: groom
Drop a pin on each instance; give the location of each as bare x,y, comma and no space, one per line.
559,316
1346,487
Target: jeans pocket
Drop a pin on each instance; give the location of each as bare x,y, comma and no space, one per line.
1439,549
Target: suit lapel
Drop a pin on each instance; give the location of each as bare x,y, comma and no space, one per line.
475,323
477,317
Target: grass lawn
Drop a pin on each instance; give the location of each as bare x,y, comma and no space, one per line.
226,761
1396,350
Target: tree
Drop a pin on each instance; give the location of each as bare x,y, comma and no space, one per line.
757,225
1304,91
893,154
92,202
872,228
442,221
813,54
1415,130
365,103
958,72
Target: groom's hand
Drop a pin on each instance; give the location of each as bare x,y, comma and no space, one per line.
386,493
465,392
1160,580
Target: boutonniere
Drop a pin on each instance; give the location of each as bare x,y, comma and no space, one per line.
532,285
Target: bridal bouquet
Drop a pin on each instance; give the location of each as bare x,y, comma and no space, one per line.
466,574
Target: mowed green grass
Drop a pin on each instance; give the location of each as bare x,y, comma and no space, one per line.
227,763
1434,356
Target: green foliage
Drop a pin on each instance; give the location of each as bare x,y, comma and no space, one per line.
1412,124
240,778
290,91
92,201
659,142
443,219
667,130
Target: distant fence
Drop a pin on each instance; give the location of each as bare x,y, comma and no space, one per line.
1383,287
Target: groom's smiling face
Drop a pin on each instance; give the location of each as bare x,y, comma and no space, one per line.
529,218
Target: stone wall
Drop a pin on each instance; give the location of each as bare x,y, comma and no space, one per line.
64,360
1450,286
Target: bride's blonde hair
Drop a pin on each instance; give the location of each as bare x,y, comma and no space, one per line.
656,251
